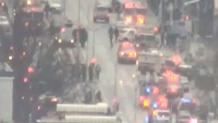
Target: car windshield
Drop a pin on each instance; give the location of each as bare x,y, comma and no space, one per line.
187,106
66,36
140,37
169,63
33,15
150,38
101,9
129,11
163,114
141,11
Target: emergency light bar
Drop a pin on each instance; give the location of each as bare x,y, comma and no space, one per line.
148,90
83,108
186,100
82,119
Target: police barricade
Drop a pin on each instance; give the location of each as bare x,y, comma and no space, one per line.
100,108
83,119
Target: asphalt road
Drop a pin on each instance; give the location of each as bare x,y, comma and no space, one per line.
112,73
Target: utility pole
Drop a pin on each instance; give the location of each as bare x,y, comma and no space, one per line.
78,36
115,80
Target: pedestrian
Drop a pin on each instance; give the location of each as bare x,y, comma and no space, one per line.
94,70
80,34
116,33
47,10
162,38
91,69
110,32
83,36
83,72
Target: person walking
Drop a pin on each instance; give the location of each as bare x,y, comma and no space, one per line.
116,33
110,32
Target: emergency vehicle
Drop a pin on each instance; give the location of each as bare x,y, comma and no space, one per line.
74,113
126,33
160,115
134,12
32,17
150,61
126,52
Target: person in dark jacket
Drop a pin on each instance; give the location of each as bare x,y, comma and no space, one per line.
47,9
110,32
116,33
83,35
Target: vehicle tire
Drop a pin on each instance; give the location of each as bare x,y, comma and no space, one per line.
119,60
94,20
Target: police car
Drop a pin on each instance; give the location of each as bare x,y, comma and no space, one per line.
101,12
183,117
187,103
126,33
150,60
64,38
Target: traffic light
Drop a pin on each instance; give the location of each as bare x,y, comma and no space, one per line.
30,70
4,6
25,79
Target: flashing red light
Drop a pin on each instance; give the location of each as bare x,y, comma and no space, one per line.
173,89
163,105
173,78
155,90
161,99
2,4
39,108
194,101
24,53
11,48
25,79
168,73
176,59
30,70
186,18
115,101
136,6
63,30
141,98
156,29
54,100
128,5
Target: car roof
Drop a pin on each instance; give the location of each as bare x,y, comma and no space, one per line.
184,113
163,110
3,17
145,33
55,5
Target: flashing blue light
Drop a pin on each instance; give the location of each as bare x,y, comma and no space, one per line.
154,105
148,90
146,119
186,100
